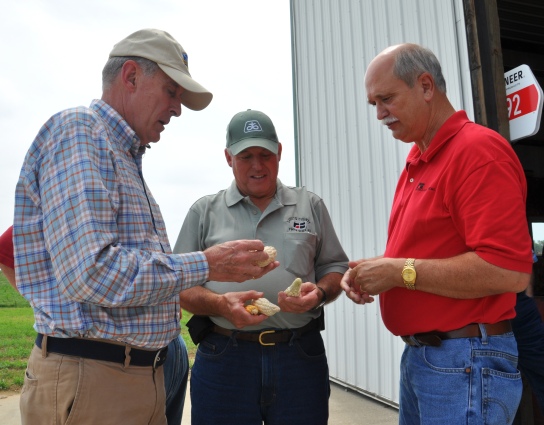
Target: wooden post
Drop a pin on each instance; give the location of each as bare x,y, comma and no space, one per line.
486,65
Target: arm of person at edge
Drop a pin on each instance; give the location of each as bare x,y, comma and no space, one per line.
6,256
310,295
464,276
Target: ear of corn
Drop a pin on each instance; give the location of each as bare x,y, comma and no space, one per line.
265,306
271,251
294,289
252,309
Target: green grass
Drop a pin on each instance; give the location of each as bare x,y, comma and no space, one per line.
8,296
18,335
191,348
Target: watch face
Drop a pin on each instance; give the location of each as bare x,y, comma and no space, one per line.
409,275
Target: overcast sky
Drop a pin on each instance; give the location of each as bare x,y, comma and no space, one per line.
53,53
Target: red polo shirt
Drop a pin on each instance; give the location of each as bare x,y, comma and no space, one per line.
6,248
465,193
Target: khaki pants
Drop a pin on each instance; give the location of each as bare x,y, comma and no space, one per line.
61,389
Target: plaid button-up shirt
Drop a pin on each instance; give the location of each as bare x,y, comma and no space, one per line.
91,251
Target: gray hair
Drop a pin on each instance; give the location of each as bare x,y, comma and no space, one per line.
113,67
413,60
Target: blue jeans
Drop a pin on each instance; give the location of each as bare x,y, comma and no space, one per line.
241,382
470,381
176,370
529,332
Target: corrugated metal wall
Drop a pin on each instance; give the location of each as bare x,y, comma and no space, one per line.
346,156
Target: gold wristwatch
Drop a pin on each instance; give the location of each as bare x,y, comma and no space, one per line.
409,274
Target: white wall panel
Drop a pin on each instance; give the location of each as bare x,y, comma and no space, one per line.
347,157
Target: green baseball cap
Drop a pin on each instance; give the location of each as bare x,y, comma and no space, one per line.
251,128
160,47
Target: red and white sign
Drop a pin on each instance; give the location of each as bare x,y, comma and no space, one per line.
524,99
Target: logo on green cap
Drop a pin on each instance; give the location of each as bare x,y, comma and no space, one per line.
252,126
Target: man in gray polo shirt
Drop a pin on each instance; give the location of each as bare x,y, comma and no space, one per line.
254,369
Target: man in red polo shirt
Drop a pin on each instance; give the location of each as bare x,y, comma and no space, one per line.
458,250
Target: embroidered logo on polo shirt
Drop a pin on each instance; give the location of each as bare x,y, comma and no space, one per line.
299,224
421,187
252,126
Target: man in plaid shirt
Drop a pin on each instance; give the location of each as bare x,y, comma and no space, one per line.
91,251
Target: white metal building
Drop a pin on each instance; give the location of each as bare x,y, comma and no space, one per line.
347,157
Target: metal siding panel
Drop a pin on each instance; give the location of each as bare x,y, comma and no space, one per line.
349,159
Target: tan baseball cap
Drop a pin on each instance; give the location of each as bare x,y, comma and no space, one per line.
161,48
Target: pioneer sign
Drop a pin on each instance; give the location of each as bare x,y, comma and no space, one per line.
524,100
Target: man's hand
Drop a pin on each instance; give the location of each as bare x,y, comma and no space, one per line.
235,261
309,298
352,289
235,311
376,275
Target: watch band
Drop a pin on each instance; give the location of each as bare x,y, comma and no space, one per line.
410,265
324,299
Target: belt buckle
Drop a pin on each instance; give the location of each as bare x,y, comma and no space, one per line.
157,359
261,336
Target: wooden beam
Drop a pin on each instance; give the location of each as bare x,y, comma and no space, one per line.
486,65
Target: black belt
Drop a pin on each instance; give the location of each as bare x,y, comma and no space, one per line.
99,350
434,339
268,336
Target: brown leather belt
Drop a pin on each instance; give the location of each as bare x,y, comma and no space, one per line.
434,339
267,336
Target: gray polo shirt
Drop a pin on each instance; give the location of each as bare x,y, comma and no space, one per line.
296,223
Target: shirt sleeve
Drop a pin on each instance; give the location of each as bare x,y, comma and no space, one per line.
491,217
188,238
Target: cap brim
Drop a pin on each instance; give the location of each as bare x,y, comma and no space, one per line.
254,142
194,95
